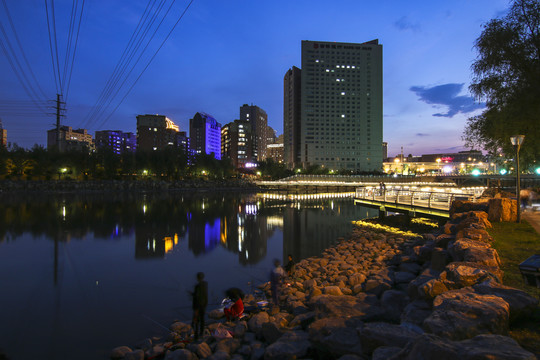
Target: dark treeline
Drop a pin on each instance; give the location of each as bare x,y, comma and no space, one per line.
171,163
39,163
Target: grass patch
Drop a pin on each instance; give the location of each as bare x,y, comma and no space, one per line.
515,243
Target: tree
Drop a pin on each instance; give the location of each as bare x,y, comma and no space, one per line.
506,74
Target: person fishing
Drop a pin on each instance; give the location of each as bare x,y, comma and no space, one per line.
200,300
276,276
289,268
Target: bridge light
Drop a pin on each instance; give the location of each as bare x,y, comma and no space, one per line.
537,171
475,172
503,172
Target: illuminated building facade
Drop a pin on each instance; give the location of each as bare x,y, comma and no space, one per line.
155,132
258,120
205,135
69,139
341,105
3,135
275,150
236,143
291,117
116,140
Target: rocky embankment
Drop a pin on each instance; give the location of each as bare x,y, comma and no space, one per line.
378,295
44,186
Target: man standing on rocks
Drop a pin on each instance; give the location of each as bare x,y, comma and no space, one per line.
200,300
275,280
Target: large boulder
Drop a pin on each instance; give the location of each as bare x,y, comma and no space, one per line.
502,209
291,345
462,274
256,322
462,314
468,250
393,303
363,306
374,335
341,341
481,347
521,304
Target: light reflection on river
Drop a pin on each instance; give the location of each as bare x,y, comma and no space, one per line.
82,274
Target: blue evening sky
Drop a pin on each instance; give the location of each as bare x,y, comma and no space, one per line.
223,54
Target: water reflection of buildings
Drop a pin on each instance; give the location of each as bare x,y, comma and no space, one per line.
204,237
318,226
153,246
246,233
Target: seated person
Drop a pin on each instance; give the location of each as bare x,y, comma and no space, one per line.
236,310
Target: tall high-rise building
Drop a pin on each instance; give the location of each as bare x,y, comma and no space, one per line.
236,143
3,135
341,105
205,135
155,132
258,119
291,117
116,140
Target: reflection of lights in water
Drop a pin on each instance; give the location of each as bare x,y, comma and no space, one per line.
240,237
251,209
64,212
274,221
154,245
247,254
203,205
144,209
332,205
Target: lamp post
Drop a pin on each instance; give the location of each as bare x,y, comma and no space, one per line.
516,141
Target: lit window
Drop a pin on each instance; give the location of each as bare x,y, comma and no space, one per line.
327,70
155,148
342,115
342,93
155,129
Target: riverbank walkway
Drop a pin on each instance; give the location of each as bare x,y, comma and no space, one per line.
533,218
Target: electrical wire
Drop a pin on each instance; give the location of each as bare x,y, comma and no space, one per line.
74,50
51,47
149,62
125,78
125,59
22,50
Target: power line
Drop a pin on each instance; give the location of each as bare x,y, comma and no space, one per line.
125,59
149,62
22,50
26,86
125,78
75,49
51,47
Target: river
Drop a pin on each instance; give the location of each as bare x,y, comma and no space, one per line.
82,274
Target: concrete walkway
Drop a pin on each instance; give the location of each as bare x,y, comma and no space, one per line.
533,218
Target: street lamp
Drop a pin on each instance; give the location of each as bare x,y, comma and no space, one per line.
438,165
516,141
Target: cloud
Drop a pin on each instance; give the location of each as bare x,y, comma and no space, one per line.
447,95
421,134
403,23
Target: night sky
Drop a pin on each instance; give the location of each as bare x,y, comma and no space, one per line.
223,54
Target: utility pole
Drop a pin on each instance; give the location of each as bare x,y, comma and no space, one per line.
59,109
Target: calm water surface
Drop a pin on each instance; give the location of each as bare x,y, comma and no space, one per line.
82,274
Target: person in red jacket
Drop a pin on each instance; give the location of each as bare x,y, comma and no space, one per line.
237,309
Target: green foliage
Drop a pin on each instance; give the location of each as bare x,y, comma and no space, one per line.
514,244
171,164
272,170
506,76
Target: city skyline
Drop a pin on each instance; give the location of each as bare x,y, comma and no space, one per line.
221,56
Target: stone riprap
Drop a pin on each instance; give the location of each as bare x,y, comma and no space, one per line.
377,295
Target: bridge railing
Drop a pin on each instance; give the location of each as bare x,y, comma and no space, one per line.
429,199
